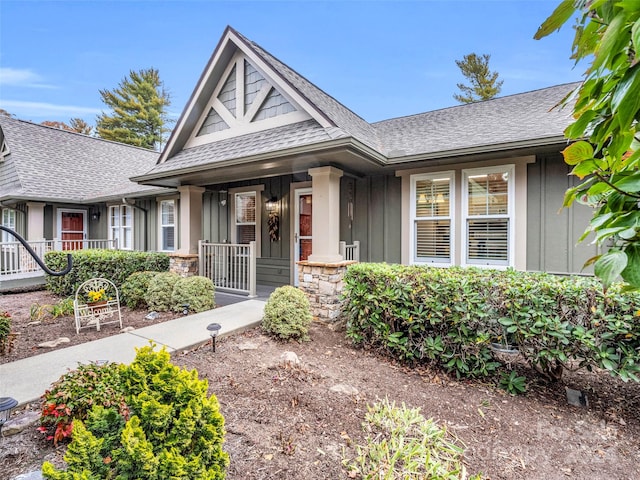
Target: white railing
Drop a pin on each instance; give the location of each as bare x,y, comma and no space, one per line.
350,252
231,266
84,244
15,260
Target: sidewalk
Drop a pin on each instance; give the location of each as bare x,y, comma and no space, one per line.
27,379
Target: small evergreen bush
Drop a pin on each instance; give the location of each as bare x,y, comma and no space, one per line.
287,314
173,431
160,290
196,291
134,290
5,333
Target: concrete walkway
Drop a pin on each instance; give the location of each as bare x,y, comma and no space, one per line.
27,379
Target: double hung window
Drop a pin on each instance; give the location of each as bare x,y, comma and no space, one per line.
121,226
432,218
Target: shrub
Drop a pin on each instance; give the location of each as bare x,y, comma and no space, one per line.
134,289
287,314
196,291
451,316
115,265
174,431
160,290
401,443
75,393
6,338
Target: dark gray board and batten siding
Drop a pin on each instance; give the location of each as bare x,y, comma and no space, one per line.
553,231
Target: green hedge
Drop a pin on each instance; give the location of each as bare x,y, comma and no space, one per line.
114,265
451,316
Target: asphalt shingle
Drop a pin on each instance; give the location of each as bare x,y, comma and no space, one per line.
308,132
65,166
515,118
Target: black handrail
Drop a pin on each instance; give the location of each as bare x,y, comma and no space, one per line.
37,258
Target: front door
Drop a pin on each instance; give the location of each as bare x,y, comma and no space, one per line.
72,229
302,227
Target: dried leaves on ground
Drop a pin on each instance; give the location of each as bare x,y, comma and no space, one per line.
288,420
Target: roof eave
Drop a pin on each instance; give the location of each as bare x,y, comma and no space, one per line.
479,150
369,153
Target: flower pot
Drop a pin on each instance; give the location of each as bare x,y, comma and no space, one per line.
97,307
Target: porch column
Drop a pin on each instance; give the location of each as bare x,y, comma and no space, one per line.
326,214
190,218
35,221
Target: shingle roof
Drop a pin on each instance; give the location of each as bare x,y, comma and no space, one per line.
304,133
341,116
515,118
59,165
526,119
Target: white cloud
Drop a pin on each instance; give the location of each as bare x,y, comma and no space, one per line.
17,77
45,110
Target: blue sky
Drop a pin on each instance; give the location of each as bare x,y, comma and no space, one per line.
382,59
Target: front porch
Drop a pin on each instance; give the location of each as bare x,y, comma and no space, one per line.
18,269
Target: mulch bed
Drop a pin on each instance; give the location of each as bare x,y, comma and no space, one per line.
283,421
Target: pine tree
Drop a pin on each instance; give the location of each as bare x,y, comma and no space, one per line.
80,126
484,83
139,110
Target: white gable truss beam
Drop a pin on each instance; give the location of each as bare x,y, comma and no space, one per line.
242,123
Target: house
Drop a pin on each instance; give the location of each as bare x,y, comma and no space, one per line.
65,190
261,154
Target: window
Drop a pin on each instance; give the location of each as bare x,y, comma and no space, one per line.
9,221
431,223
487,211
121,226
245,219
167,225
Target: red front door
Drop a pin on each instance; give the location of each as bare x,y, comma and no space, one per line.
72,230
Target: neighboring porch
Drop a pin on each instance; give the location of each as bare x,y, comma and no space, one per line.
18,269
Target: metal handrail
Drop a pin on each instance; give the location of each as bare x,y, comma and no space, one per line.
35,256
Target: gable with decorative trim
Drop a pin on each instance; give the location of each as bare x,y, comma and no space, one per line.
244,101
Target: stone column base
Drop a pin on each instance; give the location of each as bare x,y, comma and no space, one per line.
184,264
322,283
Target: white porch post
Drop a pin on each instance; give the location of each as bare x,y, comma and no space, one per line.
35,221
326,214
190,218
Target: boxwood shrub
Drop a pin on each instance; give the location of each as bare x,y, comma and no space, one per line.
115,265
451,316
196,291
287,314
160,291
134,289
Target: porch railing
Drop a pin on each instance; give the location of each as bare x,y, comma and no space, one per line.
16,261
350,252
231,266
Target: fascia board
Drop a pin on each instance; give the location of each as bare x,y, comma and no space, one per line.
477,150
366,152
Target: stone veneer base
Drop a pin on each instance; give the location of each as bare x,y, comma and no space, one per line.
323,284
184,264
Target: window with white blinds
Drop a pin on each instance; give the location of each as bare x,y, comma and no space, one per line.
487,210
245,219
168,225
431,197
121,226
